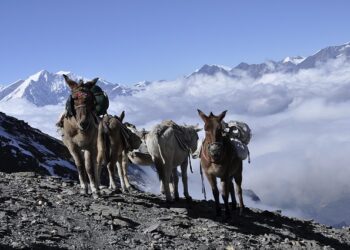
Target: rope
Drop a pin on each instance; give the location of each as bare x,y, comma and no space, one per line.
203,186
189,160
248,156
184,147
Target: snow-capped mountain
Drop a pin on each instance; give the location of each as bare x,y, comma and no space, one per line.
45,88
293,59
288,64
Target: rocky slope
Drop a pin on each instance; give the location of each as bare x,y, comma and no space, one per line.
49,213
24,148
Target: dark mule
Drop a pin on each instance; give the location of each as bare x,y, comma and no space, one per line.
219,160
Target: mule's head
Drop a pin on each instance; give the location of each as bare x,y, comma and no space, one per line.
114,123
192,137
83,101
213,133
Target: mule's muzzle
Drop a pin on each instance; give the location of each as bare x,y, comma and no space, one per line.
215,150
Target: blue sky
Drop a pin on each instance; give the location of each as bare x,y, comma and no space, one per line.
130,41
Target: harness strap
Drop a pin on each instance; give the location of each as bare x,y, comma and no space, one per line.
203,186
189,160
184,147
182,144
202,153
248,155
79,106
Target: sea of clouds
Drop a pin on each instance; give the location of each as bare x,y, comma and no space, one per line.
300,122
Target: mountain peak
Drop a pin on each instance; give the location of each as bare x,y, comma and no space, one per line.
63,72
46,88
211,69
293,59
38,75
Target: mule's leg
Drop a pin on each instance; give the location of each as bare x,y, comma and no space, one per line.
185,180
175,181
171,185
162,190
166,182
121,174
89,166
79,162
233,196
238,180
212,182
111,172
101,155
95,170
125,162
99,166
225,187
164,177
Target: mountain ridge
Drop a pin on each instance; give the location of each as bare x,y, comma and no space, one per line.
45,88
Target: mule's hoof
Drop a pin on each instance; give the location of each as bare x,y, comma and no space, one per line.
241,210
233,207
169,201
177,198
112,188
95,195
227,215
188,198
83,191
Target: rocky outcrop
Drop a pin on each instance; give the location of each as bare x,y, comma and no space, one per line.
24,148
49,213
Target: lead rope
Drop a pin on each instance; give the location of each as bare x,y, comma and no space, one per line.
189,160
248,156
203,186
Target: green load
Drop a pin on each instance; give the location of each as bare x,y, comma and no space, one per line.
101,100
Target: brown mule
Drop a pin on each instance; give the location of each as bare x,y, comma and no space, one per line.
219,160
112,150
80,133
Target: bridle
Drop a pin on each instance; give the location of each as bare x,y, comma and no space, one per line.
208,157
83,93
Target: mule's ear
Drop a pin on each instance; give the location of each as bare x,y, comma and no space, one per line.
222,115
122,115
202,115
91,83
72,84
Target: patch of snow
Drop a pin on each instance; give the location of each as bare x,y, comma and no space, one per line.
14,142
294,60
48,168
62,72
62,163
41,148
